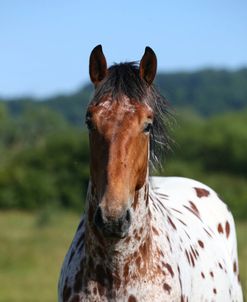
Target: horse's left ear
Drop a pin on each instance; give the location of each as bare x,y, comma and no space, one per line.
97,65
148,65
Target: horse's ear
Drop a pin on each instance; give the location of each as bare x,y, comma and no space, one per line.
97,65
148,65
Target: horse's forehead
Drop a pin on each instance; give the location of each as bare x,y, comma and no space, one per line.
118,109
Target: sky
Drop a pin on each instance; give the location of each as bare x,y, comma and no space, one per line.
45,44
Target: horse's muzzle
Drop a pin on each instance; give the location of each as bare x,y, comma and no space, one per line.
112,228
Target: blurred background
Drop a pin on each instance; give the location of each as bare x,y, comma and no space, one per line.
44,91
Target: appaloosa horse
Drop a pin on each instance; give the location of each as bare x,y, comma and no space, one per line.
144,239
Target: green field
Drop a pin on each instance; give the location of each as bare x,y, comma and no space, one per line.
32,247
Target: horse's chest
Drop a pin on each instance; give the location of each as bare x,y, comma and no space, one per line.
135,281
154,289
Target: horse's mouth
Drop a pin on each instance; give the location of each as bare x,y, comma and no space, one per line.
112,231
114,235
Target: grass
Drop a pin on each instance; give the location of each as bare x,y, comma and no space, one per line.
32,248
31,254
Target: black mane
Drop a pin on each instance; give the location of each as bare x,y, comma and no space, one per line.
124,79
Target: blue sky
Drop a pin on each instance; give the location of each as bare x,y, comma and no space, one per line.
45,45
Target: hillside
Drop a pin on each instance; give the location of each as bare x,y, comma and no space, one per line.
44,154
207,92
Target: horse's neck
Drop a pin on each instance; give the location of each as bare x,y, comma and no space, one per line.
116,254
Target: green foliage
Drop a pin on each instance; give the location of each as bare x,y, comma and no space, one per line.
45,160
213,151
207,92
218,143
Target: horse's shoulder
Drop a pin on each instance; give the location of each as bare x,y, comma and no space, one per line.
195,204
203,237
180,191
71,264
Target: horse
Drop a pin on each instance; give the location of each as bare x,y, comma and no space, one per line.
144,238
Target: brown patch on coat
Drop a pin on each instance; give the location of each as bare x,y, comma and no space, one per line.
132,299
179,278
194,208
239,278
200,192
117,282
201,243
192,259
227,228
187,256
169,268
161,253
155,231
137,237
135,203
211,274
215,291
144,248
138,262
167,287
220,228
235,267
192,211
171,222
202,274
127,239
159,271
126,272
193,252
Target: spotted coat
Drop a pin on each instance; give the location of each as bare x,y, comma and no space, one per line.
181,247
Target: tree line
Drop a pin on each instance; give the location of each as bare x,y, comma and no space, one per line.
208,92
44,157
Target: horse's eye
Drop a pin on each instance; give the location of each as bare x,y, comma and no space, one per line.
89,123
147,127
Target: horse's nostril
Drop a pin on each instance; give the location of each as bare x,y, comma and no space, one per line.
128,217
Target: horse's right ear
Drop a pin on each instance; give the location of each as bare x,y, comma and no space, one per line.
97,65
148,65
